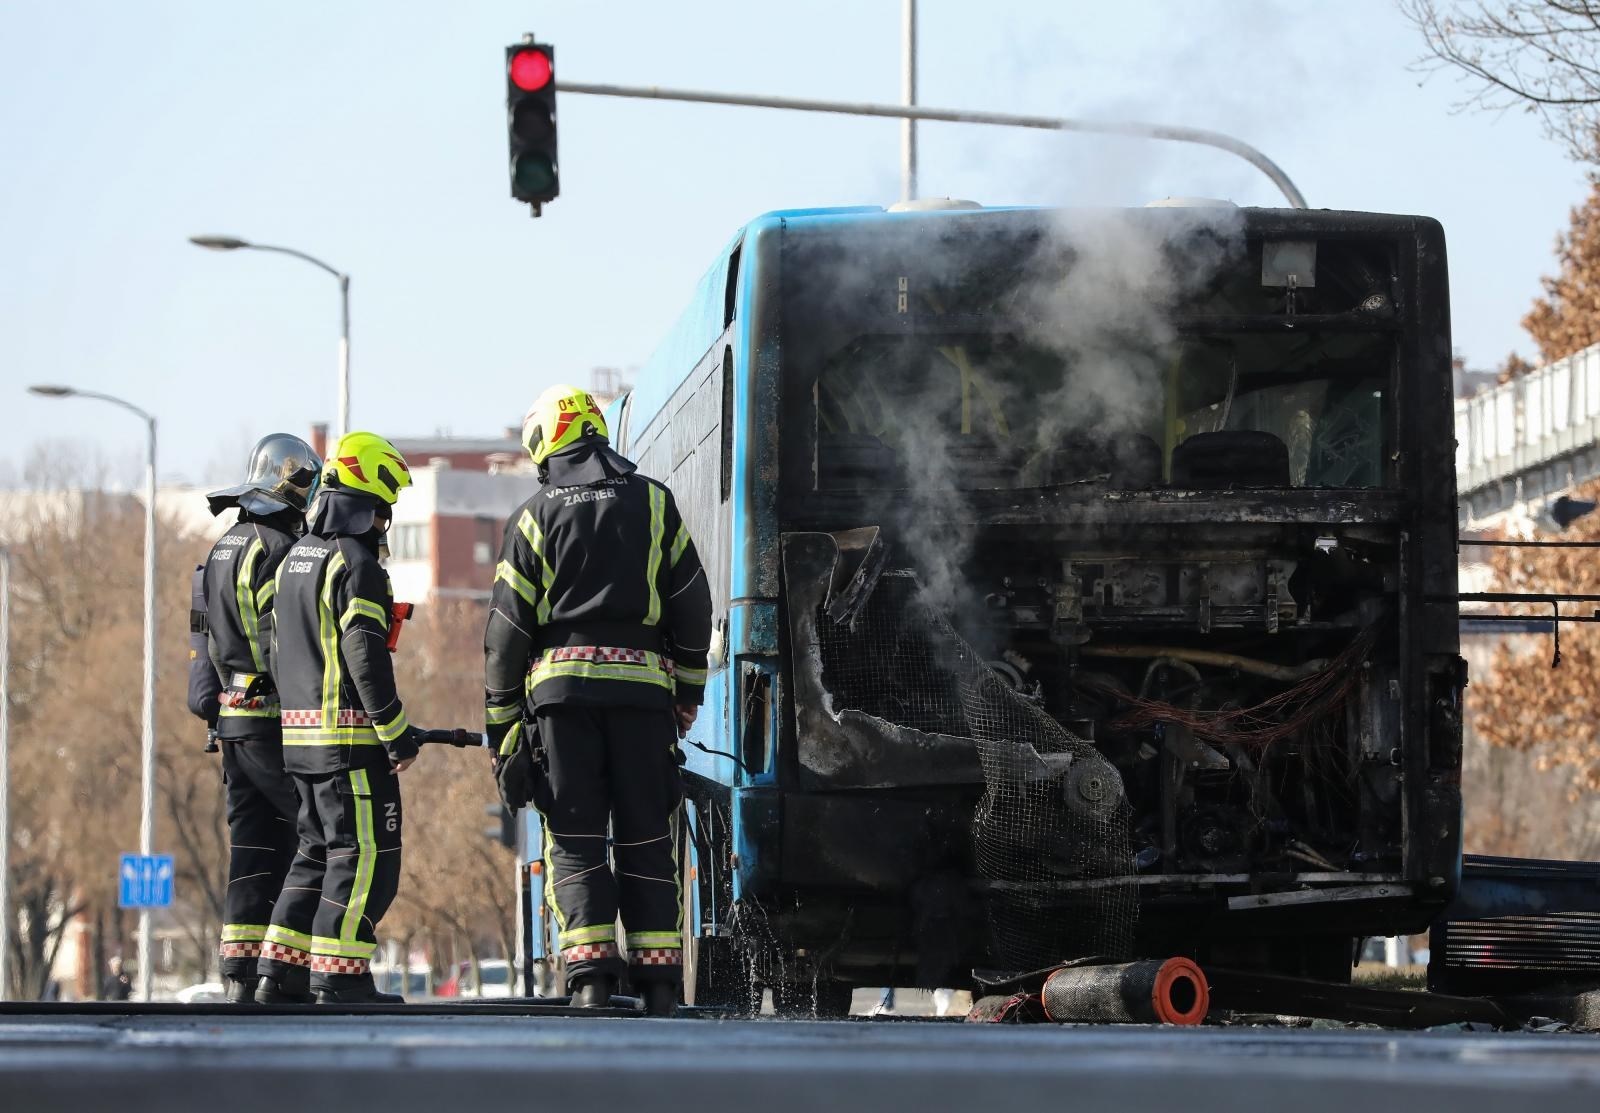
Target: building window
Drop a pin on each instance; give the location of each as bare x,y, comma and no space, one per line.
488,532
409,541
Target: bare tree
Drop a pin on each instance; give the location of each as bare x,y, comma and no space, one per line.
76,661
1542,56
457,883
1521,702
73,728
76,664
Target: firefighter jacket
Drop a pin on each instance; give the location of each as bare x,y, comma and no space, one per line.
204,684
331,660
239,584
599,599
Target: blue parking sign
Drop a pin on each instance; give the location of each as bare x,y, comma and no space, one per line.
145,881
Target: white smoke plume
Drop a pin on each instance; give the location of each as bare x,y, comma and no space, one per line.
1100,300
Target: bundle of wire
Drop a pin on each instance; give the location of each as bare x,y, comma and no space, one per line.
1284,715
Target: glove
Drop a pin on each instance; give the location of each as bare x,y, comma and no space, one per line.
246,690
499,732
405,746
516,767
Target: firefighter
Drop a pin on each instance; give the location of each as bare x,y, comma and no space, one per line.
345,734
231,687
598,630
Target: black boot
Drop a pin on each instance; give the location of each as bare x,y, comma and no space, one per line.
593,992
241,991
356,991
660,998
271,991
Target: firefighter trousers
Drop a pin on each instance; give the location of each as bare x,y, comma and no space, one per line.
345,875
612,767
262,810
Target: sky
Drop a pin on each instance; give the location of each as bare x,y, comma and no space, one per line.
372,135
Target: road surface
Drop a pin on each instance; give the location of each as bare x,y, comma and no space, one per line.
456,1063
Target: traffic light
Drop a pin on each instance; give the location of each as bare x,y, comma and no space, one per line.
531,121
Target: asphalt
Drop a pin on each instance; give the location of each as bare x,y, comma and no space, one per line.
457,1063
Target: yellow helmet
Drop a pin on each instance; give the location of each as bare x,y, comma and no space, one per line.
366,462
559,419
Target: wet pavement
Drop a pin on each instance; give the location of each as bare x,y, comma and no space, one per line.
443,1061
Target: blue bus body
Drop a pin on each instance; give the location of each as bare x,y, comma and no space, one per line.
847,859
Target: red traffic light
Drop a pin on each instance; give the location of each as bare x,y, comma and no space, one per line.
530,70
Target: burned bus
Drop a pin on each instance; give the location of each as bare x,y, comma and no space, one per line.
1084,584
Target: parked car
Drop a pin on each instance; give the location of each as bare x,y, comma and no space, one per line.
410,984
496,980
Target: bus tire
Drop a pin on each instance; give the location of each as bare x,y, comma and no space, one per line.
716,971
823,999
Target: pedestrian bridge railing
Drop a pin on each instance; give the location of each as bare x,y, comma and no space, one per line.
1520,425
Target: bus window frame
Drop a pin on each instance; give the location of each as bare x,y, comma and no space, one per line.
1421,295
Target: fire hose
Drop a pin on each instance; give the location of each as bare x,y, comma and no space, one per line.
1093,991
460,739
1152,991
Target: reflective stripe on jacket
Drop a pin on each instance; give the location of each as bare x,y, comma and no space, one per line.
334,673
599,598
238,584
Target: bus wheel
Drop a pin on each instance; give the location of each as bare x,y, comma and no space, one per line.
833,999
824,999
716,971
716,975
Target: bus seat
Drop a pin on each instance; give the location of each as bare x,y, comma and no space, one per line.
1232,458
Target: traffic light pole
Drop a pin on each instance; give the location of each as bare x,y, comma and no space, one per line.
908,97
1173,133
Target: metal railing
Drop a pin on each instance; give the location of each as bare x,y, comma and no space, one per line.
1532,420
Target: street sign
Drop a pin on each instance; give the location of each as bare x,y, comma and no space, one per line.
145,881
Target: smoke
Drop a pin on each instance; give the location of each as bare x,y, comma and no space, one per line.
1087,347
1109,317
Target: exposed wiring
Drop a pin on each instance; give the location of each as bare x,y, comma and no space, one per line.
1283,716
719,753
1298,849
1287,673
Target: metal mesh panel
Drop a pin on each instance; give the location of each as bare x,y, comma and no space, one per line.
1052,830
889,665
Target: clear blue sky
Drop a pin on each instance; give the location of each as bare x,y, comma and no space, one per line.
372,134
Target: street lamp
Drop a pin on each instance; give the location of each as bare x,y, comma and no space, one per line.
232,243
908,97
147,802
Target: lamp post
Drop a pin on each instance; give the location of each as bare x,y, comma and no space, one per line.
232,243
908,97
147,798
5,773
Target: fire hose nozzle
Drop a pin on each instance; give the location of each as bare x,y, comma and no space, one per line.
459,738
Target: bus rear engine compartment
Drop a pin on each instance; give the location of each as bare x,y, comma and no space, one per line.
1154,726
